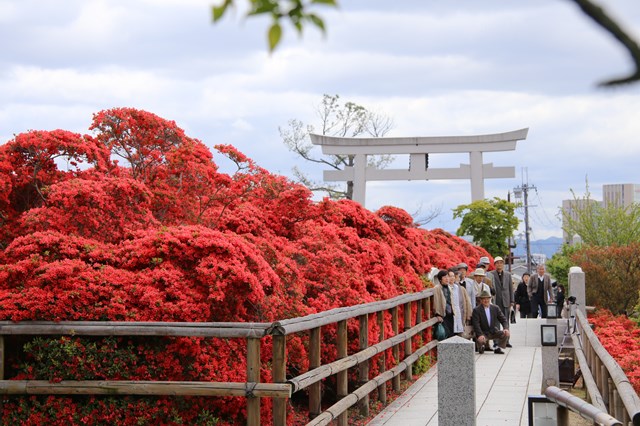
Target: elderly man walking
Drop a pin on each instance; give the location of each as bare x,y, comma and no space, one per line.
540,292
485,320
503,284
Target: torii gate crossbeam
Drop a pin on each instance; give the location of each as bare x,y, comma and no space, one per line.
417,147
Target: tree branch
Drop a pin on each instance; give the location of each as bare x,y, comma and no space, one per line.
604,20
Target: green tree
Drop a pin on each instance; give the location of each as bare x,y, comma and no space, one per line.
346,119
298,13
560,262
601,225
489,222
609,252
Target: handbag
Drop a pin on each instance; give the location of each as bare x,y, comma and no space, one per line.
439,332
468,332
512,316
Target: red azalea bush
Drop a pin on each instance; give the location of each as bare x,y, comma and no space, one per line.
167,237
620,336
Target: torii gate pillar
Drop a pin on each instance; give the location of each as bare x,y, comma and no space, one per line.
417,148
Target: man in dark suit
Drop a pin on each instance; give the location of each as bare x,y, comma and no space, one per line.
485,319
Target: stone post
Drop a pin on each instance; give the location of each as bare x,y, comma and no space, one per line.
456,382
550,371
577,287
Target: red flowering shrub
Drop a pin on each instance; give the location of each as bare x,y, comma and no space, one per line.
105,210
620,336
170,238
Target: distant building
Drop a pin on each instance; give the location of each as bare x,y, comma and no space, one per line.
570,208
613,195
620,194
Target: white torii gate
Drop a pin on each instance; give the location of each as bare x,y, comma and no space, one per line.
417,147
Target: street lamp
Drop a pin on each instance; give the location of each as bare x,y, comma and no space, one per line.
549,335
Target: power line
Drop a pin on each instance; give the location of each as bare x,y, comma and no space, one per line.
551,222
518,193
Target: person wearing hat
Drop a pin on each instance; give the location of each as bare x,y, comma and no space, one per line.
503,285
479,285
486,320
483,263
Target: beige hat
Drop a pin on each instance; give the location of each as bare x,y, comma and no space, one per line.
498,259
484,293
479,271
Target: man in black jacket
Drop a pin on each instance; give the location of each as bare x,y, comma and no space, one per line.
485,319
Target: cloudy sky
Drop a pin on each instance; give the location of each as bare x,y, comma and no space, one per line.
437,68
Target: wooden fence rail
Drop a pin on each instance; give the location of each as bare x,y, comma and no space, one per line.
415,327
614,394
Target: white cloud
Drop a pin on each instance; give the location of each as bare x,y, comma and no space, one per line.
435,68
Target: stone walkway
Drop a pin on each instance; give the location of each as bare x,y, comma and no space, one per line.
503,383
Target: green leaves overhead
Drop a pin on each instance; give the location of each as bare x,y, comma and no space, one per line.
218,11
275,33
295,11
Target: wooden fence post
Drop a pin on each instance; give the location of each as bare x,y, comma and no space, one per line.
605,384
419,319
611,404
1,357
427,314
363,367
343,388
408,346
616,411
253,376
562,415
382,361
597,373
315,398
1,367
396,349
279,372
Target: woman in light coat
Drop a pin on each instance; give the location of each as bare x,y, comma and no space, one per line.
451,303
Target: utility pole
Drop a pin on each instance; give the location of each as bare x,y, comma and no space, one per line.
510,243
518,193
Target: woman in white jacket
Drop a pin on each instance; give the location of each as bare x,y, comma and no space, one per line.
451,303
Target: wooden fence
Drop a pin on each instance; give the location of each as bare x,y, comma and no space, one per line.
608,388
415,308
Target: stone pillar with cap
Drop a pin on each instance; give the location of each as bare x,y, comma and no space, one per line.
456,382
577,289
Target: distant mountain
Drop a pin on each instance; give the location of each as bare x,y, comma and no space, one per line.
548,247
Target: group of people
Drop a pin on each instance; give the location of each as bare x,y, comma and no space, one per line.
480,307
536,292
463,305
